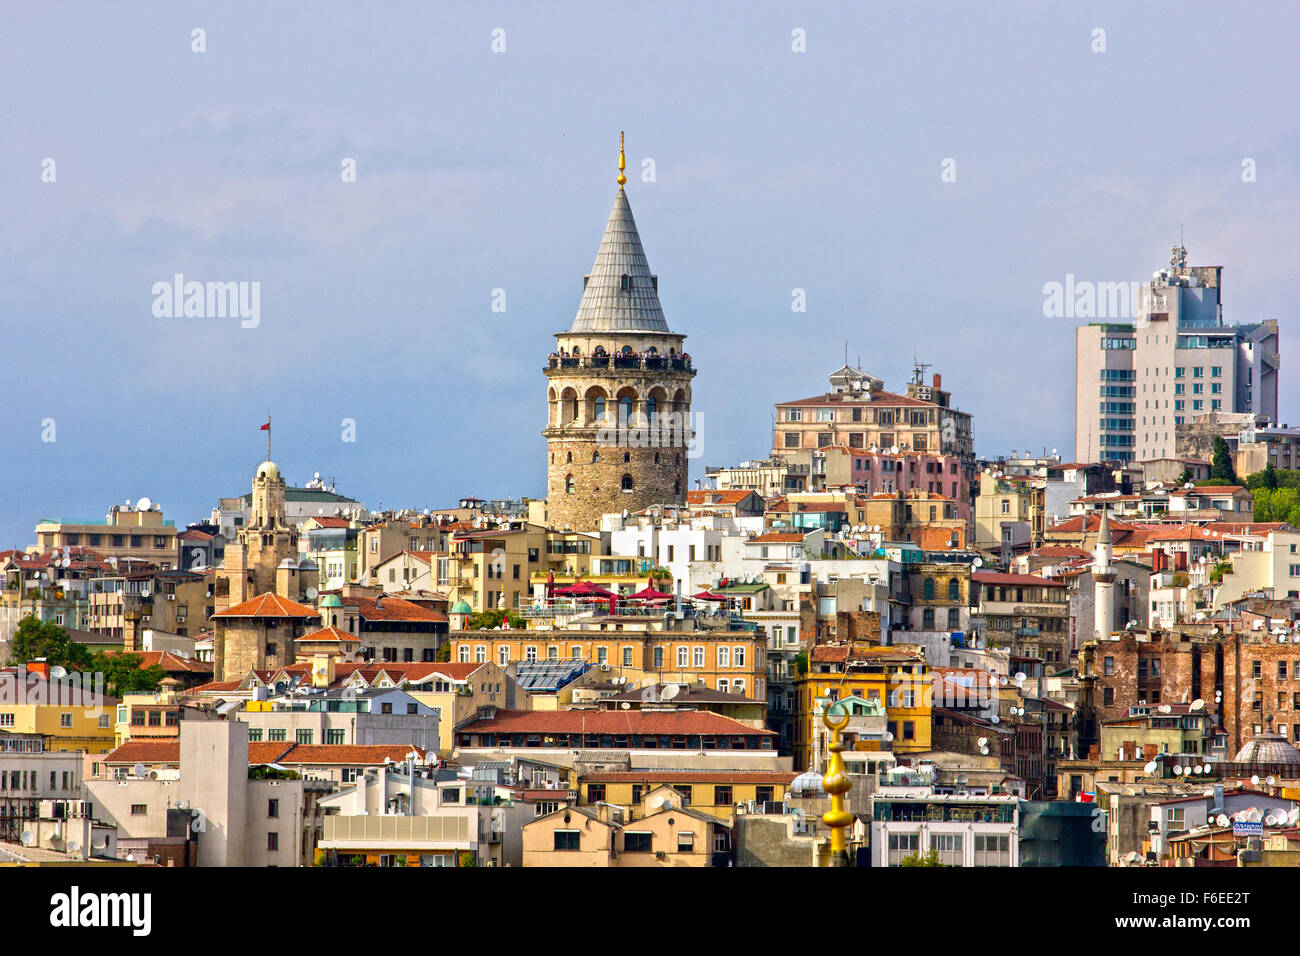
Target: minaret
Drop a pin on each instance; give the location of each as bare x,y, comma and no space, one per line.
619,390
1103,576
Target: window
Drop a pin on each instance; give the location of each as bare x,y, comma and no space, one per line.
596,793
503,655
567,839
530,652
1108,666
627,657
277,734
901,845
686,843
738,686
659,657
272,842
272,808
627,484
65,720
1174,819
948,846
637,842
683,656
336,737
480,653
992,849
738,656
1108,696
449,795
724,657
303,737
722,796
139,809
254,734
724,685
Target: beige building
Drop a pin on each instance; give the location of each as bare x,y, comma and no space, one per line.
666,834
618,391
138,532
1009,506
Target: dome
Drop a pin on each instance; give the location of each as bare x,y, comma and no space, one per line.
307,564
1268,747
289,563
330,600
460,607
268,469
807,782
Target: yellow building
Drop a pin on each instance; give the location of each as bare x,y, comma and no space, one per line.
665,833
491,569
636,649
69,713
127,532
896,677
715,792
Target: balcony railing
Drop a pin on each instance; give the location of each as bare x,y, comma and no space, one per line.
654,362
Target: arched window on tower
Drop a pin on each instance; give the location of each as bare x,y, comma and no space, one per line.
627,483
954,589
627,457
624,282
625,408
568,484
651,406
595,457
929,589
569,459
677,488
573,409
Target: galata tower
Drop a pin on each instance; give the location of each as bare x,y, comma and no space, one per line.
618,390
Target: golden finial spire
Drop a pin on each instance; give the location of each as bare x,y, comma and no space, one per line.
836,783
622,161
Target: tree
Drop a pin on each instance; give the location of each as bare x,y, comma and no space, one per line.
1221,469
34,638
1186,477
124,675
1263,504
1270,475
489,620
923,859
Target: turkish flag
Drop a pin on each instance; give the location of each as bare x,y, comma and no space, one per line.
266,427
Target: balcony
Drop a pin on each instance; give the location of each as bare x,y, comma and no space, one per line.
650,363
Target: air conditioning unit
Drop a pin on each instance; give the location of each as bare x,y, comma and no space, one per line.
604,667
171,597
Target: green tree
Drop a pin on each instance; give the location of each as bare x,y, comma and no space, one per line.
924,859
34,638
1270,475
1186,477
444,653
1263,504
1221,469
489,620
124,675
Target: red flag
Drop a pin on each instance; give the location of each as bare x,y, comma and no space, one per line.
266,427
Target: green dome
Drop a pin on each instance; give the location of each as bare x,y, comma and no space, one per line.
330,600
460,607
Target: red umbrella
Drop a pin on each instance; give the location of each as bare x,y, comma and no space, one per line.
709,596
550,584
584,589
649,594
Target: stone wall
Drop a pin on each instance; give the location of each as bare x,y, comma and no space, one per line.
659,476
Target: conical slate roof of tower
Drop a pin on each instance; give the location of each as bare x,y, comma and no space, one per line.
606,305
1103,532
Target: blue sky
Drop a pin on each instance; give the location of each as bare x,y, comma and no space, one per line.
477,170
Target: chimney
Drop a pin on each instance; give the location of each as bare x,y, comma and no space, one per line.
39,666
938,380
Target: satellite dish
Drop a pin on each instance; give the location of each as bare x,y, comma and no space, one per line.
58,672
1150,767
996,719
983,741
74,847
311,594
1020,677
28,838
625,705
670,691
1271,781
1198,769
1165,709
138,770
1178,770
1221,820
1255,780
144,504
1197,704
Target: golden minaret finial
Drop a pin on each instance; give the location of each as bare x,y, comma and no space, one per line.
622,161
836,783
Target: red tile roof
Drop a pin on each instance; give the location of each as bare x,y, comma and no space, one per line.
146,752
778,537
171,663
330,522
363,755
705,496
329,634
269,605
611,722
395,609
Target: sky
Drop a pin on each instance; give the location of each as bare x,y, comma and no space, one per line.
793,147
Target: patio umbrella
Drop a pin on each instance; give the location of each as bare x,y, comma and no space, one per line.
709,596
649,594
584,589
